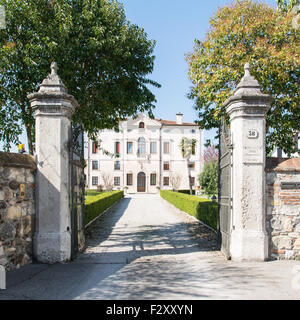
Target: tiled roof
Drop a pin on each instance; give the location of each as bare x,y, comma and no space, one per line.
282,164
174,123
17,160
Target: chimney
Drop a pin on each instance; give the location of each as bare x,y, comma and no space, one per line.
179,118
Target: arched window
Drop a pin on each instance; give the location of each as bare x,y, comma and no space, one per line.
141,125
141,146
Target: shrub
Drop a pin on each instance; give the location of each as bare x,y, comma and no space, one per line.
97,204
186,191
91,192
202,209
100,188
208,178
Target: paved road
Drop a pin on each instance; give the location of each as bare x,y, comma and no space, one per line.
144,248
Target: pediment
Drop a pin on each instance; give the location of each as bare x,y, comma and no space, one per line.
142,118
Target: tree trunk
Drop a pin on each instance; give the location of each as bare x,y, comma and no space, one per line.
29,138
189,174
190,182
27,113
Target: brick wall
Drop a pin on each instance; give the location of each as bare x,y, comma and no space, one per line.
17,209
283,207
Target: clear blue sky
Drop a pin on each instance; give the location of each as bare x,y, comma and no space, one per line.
174,24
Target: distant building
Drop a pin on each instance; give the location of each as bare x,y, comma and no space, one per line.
149,155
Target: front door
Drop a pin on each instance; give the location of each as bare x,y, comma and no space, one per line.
141,182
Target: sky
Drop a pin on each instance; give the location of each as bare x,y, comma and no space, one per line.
174,25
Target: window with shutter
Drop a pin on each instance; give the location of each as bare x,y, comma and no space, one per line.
117,181
94,181
129,147
166,147
117,165
153,179
95,165
94,147
129,179
117,147
166,181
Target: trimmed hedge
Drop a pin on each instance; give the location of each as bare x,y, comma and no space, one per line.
203,209
95,205
186,191
91,192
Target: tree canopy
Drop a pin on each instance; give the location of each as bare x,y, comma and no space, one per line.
286,5
187,147
211,153
103,60
247,31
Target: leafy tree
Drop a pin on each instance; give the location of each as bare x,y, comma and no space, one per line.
286,5
175,180
107,180
211,153
103,60
187,147
247,31
208,178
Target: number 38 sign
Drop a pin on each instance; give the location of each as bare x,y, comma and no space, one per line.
252,134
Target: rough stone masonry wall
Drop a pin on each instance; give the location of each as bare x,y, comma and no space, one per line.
16,214
283,208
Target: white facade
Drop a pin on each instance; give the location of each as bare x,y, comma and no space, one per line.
150,155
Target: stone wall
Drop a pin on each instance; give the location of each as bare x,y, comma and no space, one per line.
17,209
283,207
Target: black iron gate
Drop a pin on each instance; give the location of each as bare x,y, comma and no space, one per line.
225,156
77,184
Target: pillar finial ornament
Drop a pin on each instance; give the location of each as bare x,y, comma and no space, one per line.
54,68
247,69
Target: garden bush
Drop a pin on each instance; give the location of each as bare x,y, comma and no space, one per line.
204,210
95,205
208,178
186,191
91,192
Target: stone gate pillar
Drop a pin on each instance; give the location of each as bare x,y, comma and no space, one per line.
247,110
53,109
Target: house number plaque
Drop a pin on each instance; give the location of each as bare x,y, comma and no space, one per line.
252,134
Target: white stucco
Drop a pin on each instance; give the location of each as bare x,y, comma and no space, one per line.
158,131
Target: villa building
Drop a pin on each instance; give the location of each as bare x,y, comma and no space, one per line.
149,155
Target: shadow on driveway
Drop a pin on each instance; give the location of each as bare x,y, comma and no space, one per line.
170,261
